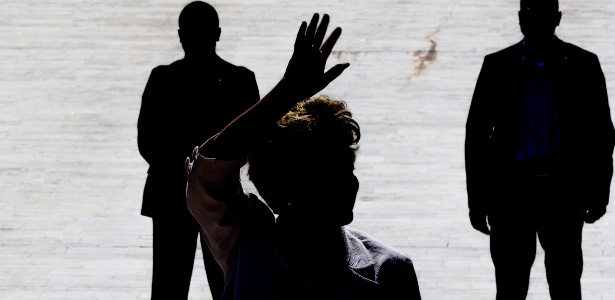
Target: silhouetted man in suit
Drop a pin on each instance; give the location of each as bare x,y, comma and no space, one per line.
183,104
538,150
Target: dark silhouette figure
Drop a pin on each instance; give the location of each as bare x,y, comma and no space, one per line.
301,155
183,104
538,150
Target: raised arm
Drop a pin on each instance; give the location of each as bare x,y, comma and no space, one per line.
214,194
305,76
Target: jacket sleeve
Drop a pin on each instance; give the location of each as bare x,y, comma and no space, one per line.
146,124
252,93
399,280
479,127
601,135
152,132
216,199
160,128
248,93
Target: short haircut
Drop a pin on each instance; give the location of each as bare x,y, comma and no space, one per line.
317,138
198,15
552,5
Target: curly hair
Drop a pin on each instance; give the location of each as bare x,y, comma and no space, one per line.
315,138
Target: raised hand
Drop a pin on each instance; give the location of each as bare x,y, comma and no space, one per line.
306,69
305,76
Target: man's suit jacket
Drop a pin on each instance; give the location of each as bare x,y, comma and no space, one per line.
584,164
184,104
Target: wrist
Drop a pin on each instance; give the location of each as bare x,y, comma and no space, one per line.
290,90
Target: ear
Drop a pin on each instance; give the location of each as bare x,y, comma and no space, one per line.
559,18
218,34
520,16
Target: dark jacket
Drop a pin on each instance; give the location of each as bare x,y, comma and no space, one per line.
584,164
182,105
240,232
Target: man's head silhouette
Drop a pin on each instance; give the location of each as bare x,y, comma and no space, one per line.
538,19
199,29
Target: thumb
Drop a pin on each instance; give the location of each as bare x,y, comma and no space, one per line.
333,73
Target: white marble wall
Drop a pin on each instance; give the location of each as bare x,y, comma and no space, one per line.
72,74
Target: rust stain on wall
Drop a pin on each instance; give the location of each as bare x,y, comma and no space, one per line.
426,57
339,54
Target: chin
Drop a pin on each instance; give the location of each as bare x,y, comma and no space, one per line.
345,219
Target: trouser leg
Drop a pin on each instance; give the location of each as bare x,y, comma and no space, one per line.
561,237
215,276
513,249
174,246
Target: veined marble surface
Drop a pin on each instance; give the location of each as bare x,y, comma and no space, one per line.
71,177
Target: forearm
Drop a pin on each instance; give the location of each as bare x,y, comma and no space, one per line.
236,139
479,128
157,139
600,159
477,173
476,152
215,198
